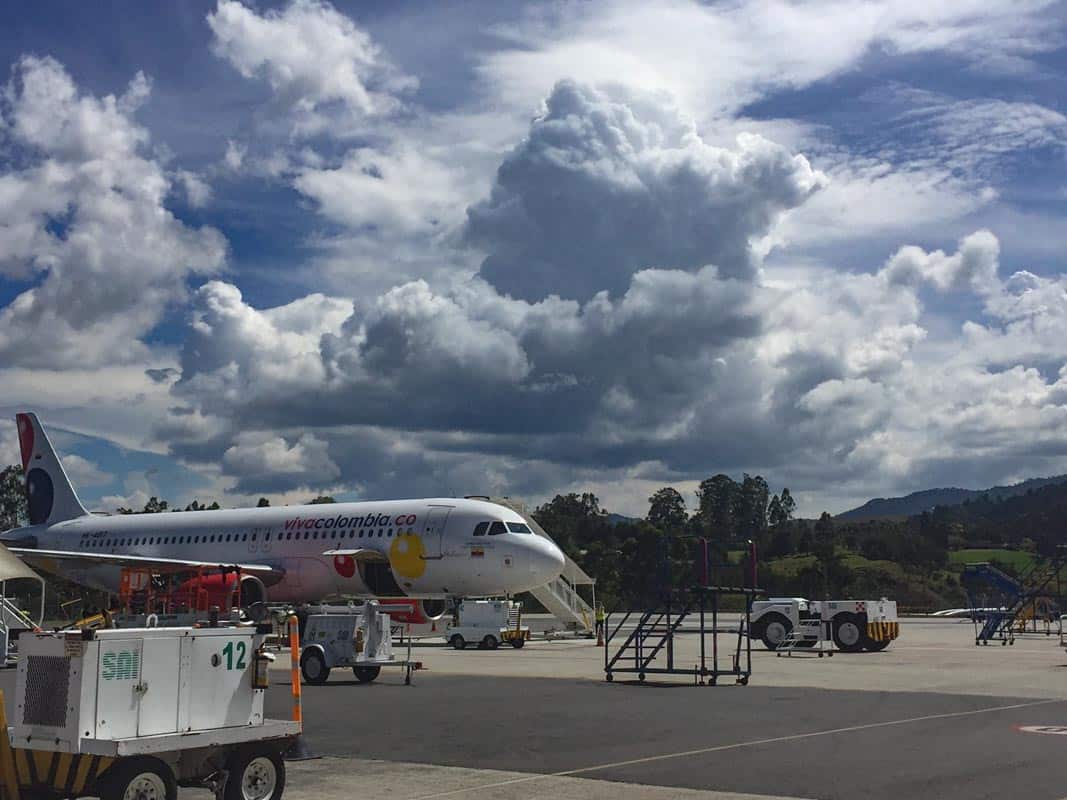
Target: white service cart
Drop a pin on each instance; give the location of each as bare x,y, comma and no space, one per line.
360,638
487,623
135,713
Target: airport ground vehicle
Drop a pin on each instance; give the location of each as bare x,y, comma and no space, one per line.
488,623
854,624
359,637
135,713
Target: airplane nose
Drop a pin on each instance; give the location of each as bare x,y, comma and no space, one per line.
546,560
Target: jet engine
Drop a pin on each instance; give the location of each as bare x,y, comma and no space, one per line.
221,589
414,612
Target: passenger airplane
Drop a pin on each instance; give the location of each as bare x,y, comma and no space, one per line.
427,550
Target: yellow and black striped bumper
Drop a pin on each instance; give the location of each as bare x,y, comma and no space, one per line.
68,774
883,631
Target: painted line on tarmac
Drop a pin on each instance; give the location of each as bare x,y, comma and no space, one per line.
735,746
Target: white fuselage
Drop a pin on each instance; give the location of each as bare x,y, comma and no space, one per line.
419,548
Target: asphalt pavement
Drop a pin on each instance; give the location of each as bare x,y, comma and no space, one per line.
795,742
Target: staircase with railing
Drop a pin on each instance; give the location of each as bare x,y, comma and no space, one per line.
1021,595
562,601
652,635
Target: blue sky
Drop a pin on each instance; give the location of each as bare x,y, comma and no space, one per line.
383,249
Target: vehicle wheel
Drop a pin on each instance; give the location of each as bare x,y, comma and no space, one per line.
641,677
774,628
313,667
876,647
458,642
518,642
491,642
848,633
257,773
138,779
366,674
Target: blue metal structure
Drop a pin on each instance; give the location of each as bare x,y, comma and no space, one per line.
1017,598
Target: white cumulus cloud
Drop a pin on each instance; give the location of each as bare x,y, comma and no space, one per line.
86,218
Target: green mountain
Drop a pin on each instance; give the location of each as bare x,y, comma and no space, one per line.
928,499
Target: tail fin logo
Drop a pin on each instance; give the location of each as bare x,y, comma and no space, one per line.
40,495
25,440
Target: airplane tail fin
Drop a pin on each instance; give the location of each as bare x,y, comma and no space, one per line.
49,494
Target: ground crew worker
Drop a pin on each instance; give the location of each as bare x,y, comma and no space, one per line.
600,616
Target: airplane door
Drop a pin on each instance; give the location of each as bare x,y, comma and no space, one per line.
257,540
434,530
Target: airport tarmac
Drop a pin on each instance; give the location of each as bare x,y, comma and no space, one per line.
933,716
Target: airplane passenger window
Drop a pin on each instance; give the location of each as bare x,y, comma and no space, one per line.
519,527
253,537
497,528
361,534
380,534
244,538
481,528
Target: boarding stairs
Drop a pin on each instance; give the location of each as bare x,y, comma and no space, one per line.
652,635
562,601
648,648
560,596
1021,595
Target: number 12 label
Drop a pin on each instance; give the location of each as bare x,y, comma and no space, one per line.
228,651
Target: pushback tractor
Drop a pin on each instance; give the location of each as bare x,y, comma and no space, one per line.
135,713
854,625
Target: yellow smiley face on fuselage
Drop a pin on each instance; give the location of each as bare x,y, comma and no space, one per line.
406,555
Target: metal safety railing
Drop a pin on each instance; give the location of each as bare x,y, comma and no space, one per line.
563,602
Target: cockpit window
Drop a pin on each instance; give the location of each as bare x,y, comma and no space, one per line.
481,528
519,527
497,528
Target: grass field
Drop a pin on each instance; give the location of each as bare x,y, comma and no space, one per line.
1018,560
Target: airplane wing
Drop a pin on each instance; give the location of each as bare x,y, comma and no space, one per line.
46,560
359,554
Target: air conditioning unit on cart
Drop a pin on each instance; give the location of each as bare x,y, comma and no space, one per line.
97,712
